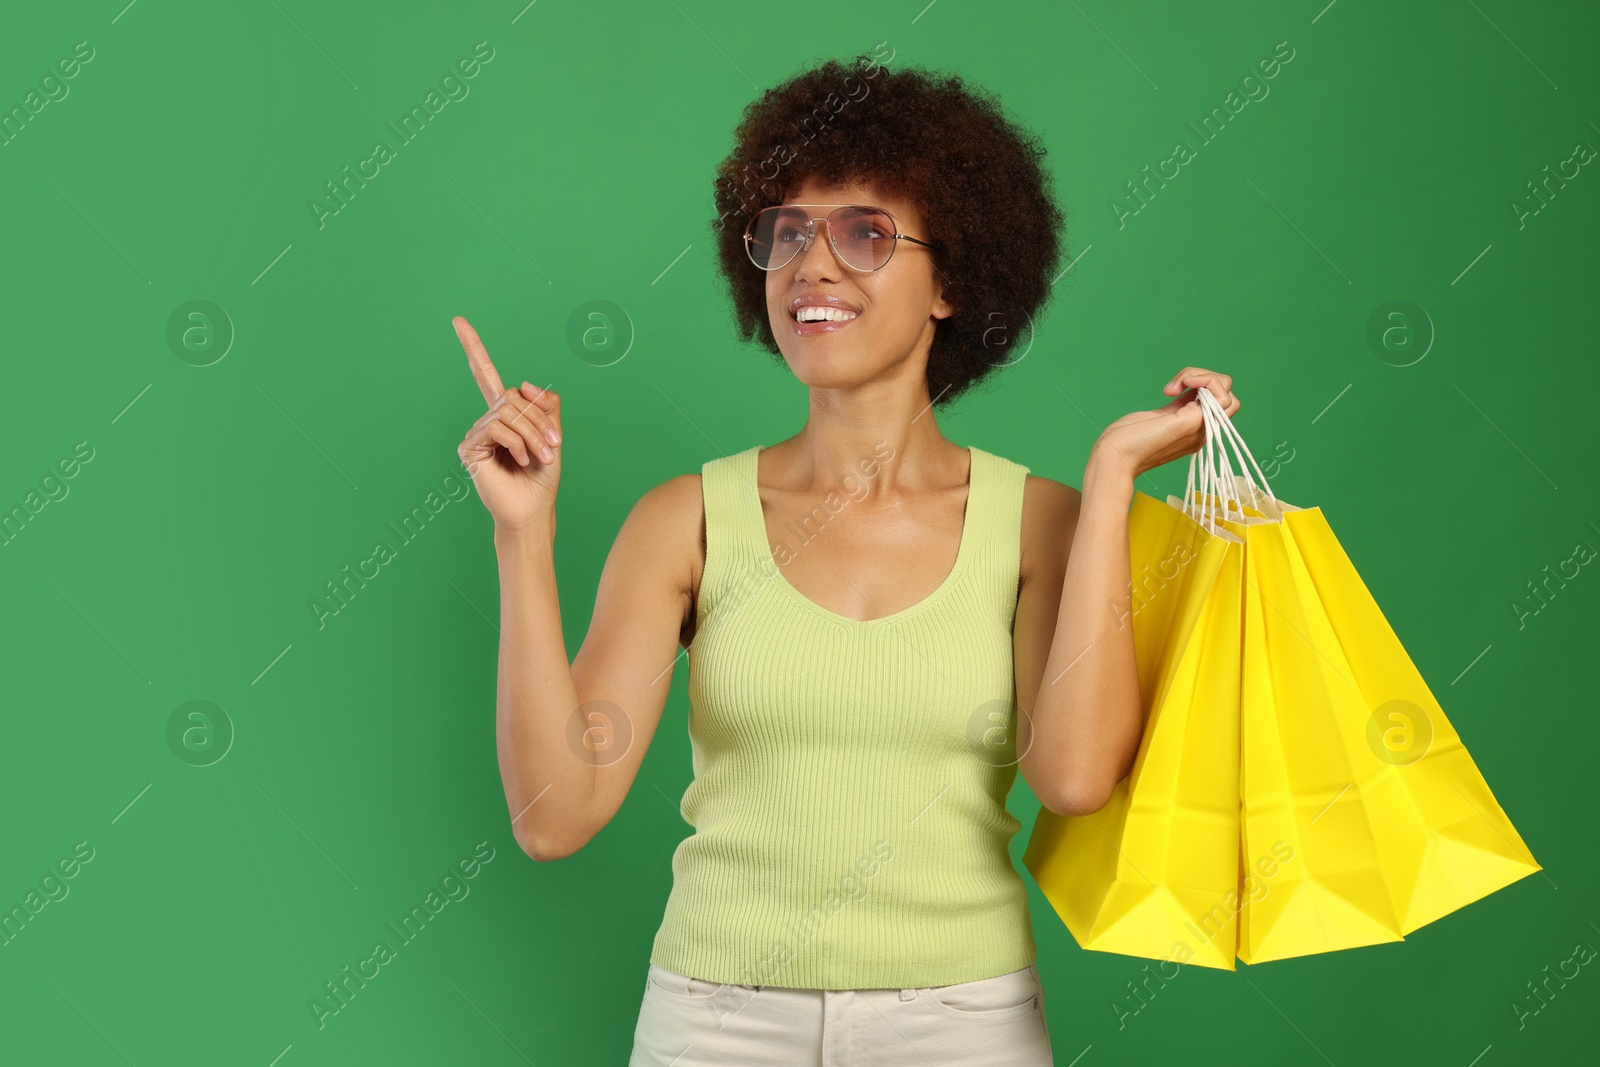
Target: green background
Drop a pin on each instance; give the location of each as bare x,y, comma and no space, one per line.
359,765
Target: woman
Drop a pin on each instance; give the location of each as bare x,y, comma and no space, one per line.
870,610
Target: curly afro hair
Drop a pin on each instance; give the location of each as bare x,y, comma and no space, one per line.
976,176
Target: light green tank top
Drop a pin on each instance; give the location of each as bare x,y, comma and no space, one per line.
850,777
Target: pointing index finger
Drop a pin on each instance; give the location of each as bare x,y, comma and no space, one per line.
478,358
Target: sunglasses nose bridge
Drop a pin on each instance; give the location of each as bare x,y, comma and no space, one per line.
811,235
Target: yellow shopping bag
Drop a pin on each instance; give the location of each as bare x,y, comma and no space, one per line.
1398,825
1300,779
1373,817
1155,872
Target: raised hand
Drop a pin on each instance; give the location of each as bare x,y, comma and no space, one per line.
513,451
1144,440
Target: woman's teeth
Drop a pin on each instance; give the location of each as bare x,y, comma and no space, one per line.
824,314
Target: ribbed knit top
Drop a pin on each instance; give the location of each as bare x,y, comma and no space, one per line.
850,776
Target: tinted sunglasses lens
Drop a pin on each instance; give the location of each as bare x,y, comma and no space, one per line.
864,238
775,235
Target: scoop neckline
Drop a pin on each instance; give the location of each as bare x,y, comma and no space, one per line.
963,549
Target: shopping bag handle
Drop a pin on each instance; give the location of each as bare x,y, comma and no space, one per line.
1217,482
1227,431
1212,488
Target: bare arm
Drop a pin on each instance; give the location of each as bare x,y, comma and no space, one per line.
1076,674
571,738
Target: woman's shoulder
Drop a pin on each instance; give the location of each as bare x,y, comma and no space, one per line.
682,496
669,517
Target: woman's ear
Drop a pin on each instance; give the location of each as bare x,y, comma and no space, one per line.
942,308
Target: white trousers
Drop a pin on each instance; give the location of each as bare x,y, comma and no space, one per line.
687,1022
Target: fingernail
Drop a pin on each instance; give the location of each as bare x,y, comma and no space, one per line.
554,437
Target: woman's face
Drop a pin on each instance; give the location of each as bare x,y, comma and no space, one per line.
897,305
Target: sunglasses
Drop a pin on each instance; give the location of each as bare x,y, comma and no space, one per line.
864,238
